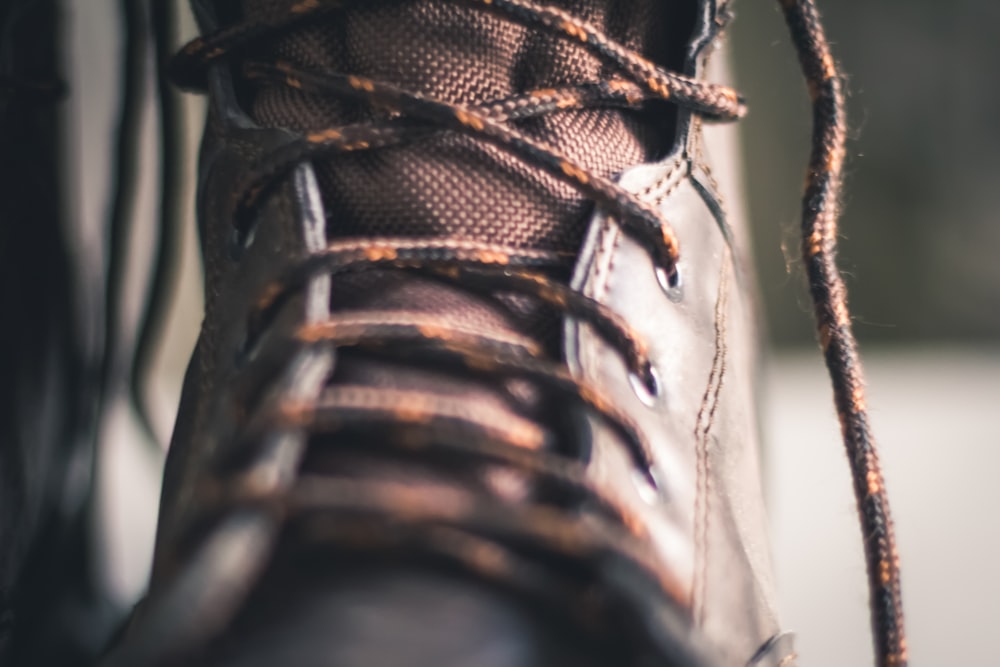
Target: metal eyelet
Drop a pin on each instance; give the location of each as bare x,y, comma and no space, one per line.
239,242
649,485
646,389
671,283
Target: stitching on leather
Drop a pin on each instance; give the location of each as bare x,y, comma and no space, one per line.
702,163
666,193
603,272
703,426
612,254
596,285
593,286
721,344
716,191
697,139
663,180
645,192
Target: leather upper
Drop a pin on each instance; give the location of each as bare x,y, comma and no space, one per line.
705,519
708,520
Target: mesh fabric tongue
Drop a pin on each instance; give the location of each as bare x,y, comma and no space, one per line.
447,185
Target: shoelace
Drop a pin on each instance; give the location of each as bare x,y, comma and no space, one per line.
491,268
139,20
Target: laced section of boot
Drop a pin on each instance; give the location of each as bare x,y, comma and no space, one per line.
503,542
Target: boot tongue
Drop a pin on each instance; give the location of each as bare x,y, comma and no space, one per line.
449,185
446,185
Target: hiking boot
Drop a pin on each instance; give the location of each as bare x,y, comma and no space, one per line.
475,384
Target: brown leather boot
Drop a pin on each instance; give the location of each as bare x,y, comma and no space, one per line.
475,384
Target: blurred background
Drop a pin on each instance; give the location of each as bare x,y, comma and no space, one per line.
920,241
920,238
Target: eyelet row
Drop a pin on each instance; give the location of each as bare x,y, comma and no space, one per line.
647,388
671,283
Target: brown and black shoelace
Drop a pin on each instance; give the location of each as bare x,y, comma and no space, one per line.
490,268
